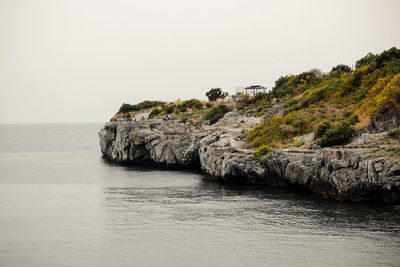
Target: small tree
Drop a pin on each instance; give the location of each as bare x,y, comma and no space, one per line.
216,93
340,133
341,68
368,59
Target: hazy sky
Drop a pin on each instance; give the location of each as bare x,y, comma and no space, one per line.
78,60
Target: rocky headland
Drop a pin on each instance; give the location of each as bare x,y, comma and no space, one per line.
364,170
336,134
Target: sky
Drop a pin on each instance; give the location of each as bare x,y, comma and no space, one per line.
79,60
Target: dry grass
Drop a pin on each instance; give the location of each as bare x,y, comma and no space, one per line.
220,101
287,128
364,120
297,97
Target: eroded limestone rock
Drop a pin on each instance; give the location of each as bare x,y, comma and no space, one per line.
219,150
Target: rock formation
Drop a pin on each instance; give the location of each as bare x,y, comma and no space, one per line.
358,173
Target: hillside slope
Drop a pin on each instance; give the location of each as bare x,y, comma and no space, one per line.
334,106
336,134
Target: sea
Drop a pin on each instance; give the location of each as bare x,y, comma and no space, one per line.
62,204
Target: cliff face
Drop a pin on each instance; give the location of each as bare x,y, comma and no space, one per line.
344,174
146,141
347,174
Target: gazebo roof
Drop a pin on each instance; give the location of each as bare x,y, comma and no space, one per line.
255,87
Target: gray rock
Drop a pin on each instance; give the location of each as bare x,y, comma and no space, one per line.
161,142
141,116
343,174
385,122
315,145
346,176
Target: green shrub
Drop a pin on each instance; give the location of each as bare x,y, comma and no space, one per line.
383,97
291,109
368,59
321,128
126,108
341,68
394,133
301,121
322,91
387,56
282,81
292,85
192,104
181,108
208,105
291,103
354,81
142,105
339,134
170,109
155,112
216,113
262,151
269,132
261,98
353,120
242,100
391,67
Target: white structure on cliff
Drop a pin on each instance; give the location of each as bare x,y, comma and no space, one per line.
252,89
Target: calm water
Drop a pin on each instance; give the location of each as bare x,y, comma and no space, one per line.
62,205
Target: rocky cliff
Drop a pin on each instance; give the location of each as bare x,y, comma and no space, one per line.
359,172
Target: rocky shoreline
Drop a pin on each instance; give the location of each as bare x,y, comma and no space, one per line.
353,173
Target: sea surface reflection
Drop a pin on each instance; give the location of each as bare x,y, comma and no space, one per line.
61,204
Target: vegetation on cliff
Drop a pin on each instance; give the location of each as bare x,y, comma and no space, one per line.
216,113
125,108
327,101
160,108
333,106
